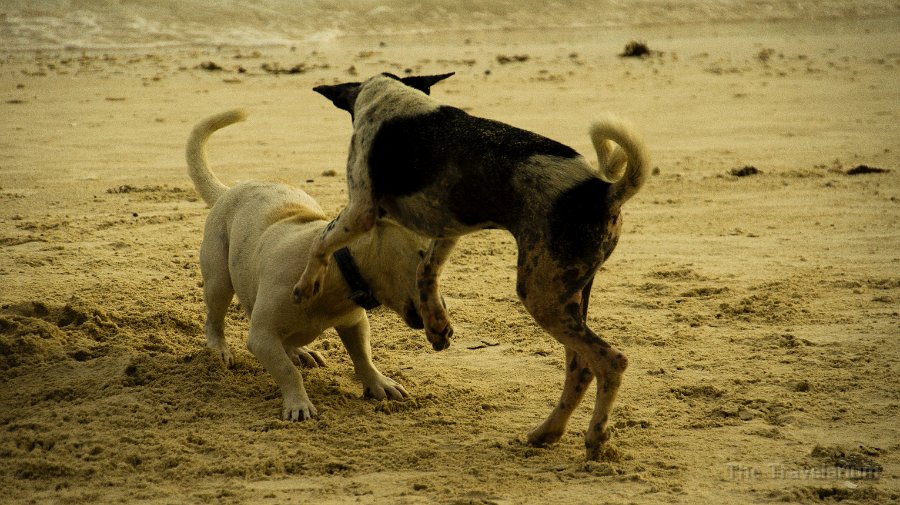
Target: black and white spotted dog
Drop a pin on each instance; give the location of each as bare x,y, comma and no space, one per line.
443,173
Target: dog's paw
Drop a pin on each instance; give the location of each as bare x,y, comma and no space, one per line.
438,329
303,357
224,354
439,338
542,437
301,410
602,452
383,388
595,445
309,286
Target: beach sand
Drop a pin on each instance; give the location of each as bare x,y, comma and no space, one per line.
759,312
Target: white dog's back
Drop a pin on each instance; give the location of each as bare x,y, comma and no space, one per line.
247,218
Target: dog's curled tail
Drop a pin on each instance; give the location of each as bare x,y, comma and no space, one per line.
207,184
621,156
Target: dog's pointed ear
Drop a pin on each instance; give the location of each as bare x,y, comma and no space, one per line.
343,96
424,83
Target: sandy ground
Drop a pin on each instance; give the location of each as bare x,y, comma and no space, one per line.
759,313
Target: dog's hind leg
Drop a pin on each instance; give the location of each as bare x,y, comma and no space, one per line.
578,378
355,219
562,316
600,359
217,294
434,312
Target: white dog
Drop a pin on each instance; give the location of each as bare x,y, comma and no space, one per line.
253,245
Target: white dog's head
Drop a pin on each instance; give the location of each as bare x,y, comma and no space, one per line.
392,257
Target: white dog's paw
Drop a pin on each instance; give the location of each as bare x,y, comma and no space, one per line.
380,387
301,356
300,410
224,353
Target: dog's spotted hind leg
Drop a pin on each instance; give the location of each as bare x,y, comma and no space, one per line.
563,317
578,378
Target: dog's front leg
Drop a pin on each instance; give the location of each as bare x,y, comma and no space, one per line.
354,220
270,352
434,312
375,385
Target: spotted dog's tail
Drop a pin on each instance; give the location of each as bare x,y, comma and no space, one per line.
622,158
207,184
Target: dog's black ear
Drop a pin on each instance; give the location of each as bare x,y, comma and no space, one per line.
343,96
424,83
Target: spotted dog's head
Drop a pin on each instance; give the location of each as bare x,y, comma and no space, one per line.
344,95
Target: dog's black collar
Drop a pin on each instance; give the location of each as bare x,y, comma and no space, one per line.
360,291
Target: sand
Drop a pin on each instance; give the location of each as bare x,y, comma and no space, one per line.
759,312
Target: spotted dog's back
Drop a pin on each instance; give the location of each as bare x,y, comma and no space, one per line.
457,162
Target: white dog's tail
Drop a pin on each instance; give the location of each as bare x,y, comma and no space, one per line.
207,184
624,163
